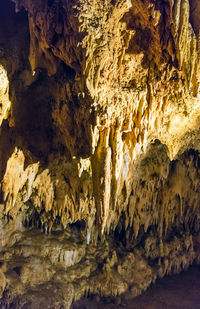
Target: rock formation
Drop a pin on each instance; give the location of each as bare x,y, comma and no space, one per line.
99,147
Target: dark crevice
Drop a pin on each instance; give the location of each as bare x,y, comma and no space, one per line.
195,15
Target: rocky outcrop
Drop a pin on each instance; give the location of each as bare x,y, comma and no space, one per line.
99,147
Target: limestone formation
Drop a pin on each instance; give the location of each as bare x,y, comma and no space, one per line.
99,147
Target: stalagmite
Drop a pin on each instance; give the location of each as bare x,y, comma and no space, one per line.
99,147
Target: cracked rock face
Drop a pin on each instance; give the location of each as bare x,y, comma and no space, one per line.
99,147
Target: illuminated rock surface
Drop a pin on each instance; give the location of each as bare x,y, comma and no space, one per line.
99,147
176,292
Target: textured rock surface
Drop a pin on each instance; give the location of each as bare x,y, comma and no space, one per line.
99,147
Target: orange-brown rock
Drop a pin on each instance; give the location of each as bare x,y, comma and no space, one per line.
99,146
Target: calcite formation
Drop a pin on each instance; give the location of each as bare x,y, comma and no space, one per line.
99,147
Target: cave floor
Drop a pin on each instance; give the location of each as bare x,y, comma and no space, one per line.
180,291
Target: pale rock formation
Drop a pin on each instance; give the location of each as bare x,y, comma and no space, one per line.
99,147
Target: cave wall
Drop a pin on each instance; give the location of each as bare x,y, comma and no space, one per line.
99,146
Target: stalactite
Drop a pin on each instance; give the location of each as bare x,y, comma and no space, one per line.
99,146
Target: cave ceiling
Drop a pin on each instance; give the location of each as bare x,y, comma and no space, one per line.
99,147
